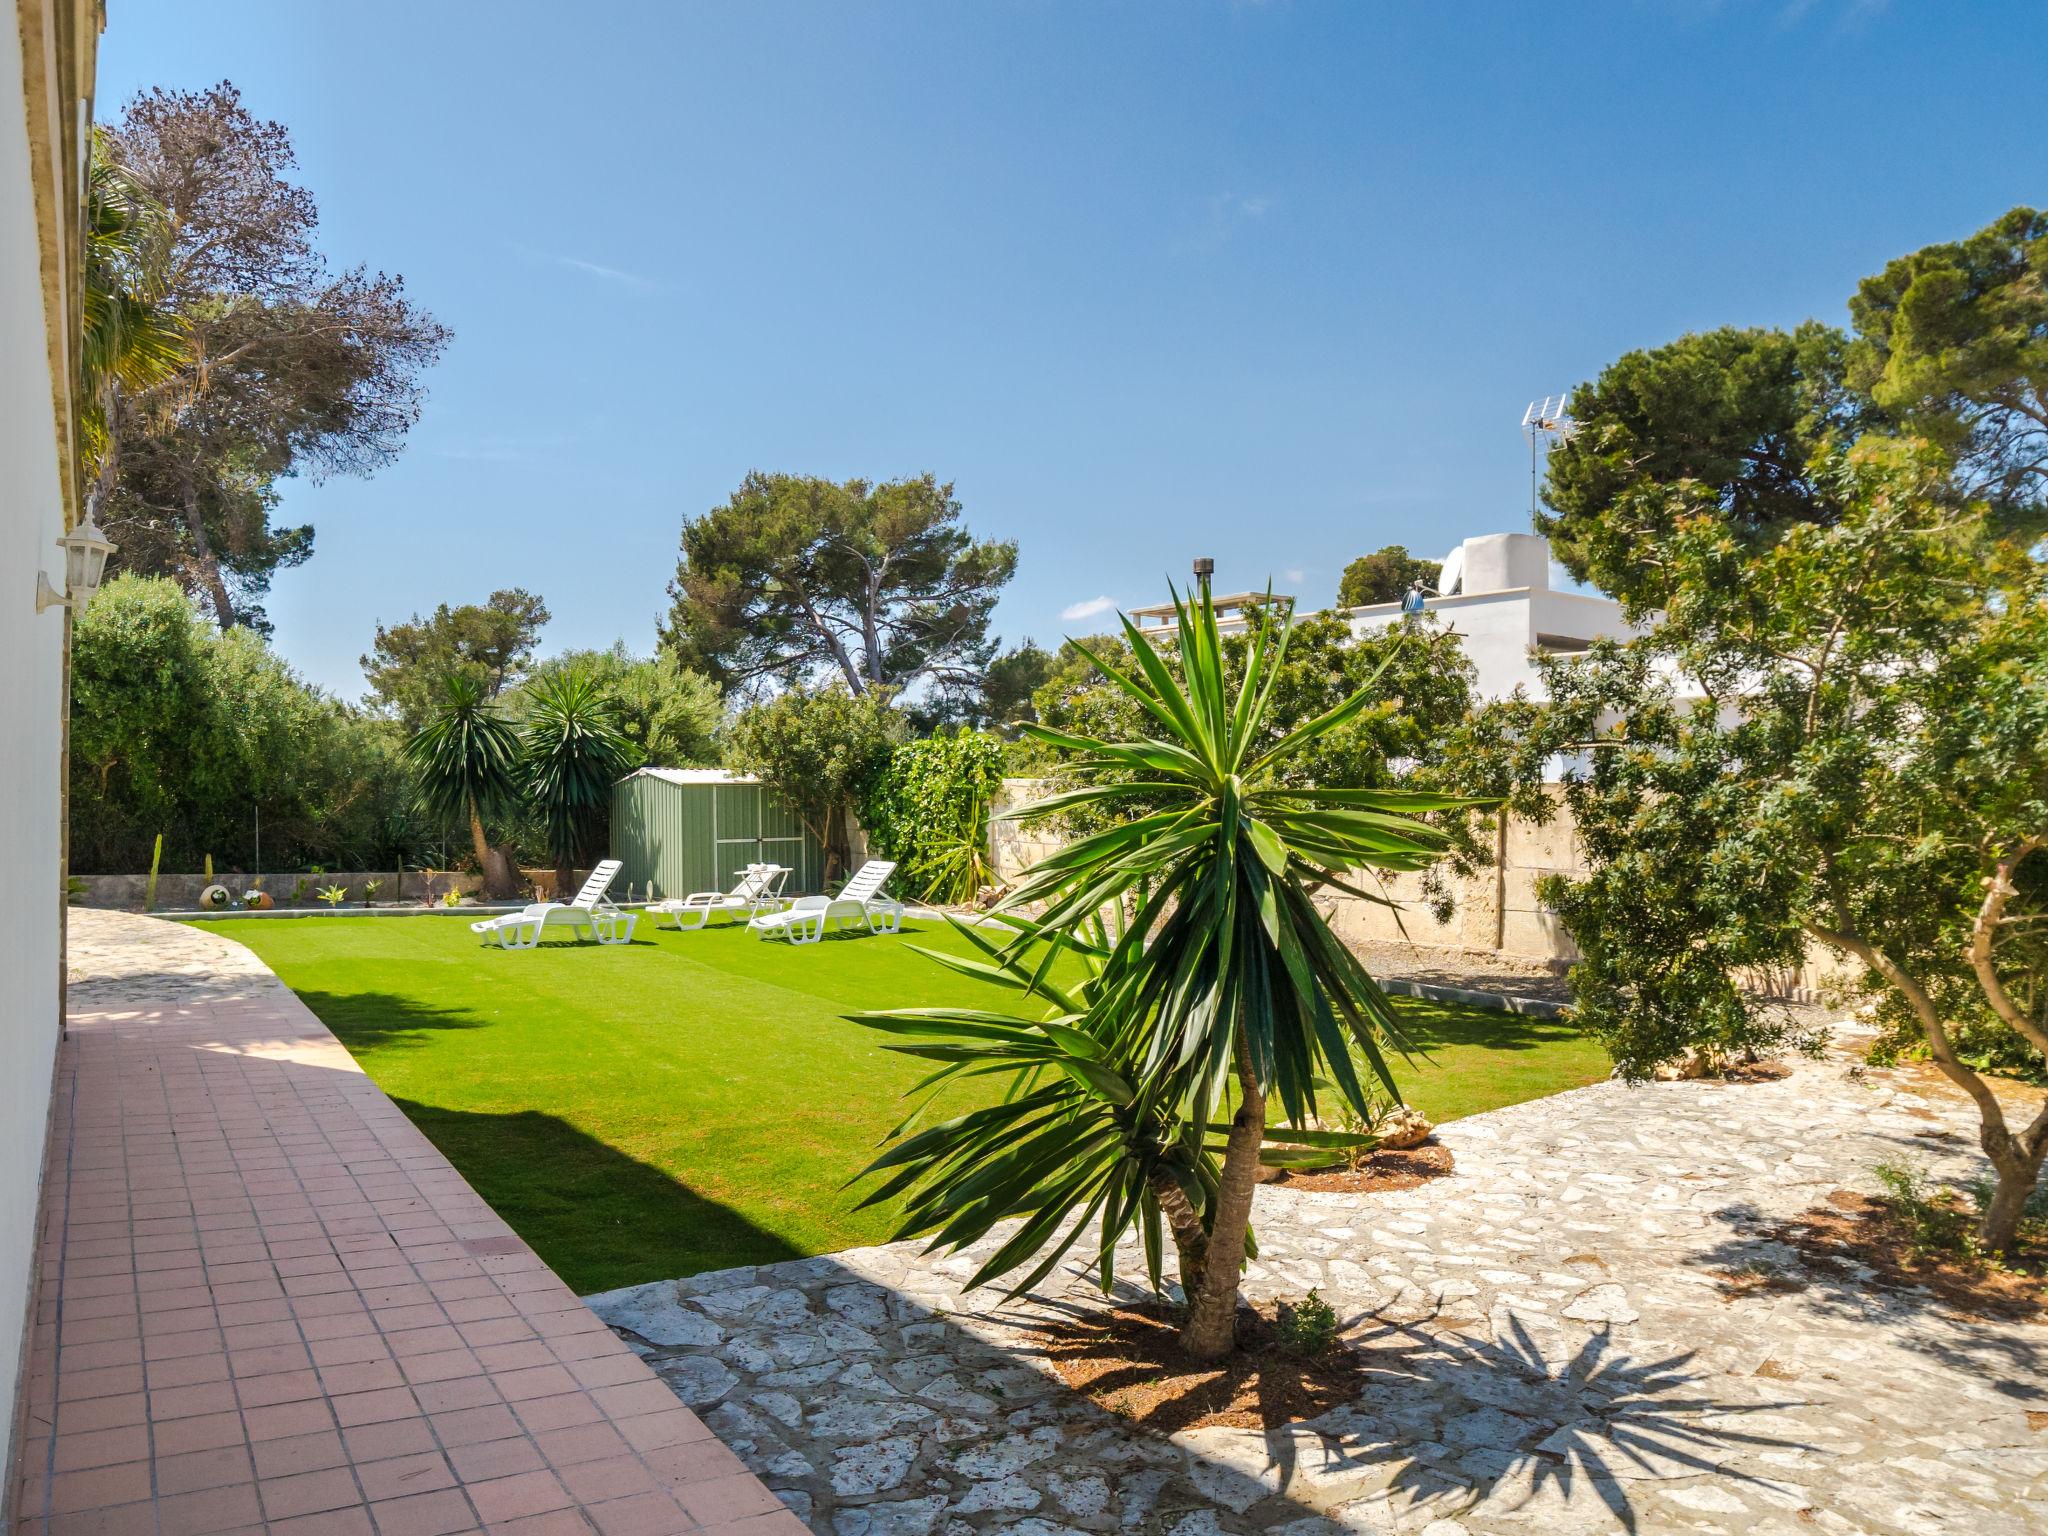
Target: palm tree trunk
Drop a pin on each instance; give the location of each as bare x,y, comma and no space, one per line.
479,844
1211,1329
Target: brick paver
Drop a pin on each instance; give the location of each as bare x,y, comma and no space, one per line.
267,1303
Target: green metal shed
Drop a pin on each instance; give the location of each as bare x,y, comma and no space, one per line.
679,830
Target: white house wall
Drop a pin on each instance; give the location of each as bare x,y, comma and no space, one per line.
31,512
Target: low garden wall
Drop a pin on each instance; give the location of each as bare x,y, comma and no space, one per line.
1495,911
412,887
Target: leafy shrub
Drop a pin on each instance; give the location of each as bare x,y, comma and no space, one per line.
180,726
929,812
1938,1224
1307,1329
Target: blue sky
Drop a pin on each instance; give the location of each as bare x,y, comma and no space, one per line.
1269,282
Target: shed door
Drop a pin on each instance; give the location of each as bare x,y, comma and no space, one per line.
750,826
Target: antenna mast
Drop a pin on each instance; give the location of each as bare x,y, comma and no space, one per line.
1543,424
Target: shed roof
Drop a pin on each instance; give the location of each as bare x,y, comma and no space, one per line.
694,775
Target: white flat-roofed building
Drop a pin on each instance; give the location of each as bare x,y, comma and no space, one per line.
1497,597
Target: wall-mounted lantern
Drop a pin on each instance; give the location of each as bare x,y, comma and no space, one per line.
85,562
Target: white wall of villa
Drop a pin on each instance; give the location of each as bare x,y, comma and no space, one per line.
39,111
1503,607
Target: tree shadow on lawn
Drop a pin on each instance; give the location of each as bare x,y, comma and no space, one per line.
1431,1026
597,1216
372,1021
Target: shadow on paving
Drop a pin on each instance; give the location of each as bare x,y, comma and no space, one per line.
1772,1253
873,1410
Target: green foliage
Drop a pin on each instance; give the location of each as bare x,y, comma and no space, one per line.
929,812
796,579
1309,1328
822,750
490,644
1140,1099
465,758
1937,1223
156,856
1950,346
1952,342
1403,736
1384,577
669,714
128,341
334,895
571,753
1866,766
183,732
1723,423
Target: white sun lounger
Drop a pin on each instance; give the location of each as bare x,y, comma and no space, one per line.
759,890
861,901
591,912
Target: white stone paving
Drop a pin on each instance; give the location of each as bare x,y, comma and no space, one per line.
1551,1343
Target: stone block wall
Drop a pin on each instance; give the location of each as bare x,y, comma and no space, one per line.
180,893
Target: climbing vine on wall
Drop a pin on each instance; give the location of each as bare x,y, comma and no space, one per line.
930,810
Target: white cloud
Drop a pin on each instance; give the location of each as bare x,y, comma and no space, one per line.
1088,609
596,269
1221,215
1296,577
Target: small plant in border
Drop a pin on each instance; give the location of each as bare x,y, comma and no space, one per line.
334,895
1307,1328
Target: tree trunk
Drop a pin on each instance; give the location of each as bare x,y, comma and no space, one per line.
1211,1329
2019,1170
2015,1159
203,560
1190,1242
494,864
564,875
478,843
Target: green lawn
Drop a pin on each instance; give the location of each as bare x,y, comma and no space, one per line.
696,1100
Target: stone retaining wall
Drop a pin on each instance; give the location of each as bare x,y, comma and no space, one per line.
1495,910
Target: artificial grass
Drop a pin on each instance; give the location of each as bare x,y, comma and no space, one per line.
696,1100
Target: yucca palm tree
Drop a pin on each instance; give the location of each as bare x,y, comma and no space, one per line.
465,760
1142,1098
572,753
129,344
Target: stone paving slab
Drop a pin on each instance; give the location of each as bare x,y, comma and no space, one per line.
265,1302
1552,1341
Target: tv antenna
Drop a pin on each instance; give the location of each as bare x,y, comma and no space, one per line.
1543,424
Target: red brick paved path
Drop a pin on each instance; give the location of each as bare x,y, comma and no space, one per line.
267,1303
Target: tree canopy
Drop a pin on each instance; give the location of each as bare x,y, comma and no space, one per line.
1952,341
289,368
670,715
1384,576
1840,737
489,643
1726,420
1948,344
823,750
181,729
796,579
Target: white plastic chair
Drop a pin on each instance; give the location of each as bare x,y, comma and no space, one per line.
591,912
860,901
759,890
